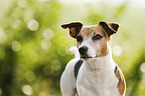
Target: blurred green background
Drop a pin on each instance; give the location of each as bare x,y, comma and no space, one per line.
34,50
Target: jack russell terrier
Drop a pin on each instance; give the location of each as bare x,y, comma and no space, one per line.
92,72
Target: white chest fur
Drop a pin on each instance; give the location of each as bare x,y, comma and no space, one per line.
97,78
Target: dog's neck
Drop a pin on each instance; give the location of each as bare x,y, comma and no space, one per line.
100,63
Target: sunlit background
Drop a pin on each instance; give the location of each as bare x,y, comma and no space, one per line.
34,50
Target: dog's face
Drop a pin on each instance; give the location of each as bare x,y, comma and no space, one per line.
92,40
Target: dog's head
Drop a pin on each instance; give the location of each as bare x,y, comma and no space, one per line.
92,40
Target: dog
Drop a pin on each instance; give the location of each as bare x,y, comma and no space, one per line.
92,72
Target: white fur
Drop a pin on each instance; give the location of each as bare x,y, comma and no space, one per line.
88,42
96,77
67,81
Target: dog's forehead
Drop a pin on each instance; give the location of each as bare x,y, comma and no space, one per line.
88,30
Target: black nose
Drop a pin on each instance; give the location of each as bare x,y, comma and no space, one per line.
83,50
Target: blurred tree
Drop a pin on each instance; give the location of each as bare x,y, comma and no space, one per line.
134,76
27,55
7,70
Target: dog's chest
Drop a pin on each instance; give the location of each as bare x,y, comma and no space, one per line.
100,82
104,83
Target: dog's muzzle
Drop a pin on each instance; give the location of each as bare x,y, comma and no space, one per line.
83,52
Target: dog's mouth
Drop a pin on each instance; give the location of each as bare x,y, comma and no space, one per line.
87,57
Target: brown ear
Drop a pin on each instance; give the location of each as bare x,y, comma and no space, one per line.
110,28
74,28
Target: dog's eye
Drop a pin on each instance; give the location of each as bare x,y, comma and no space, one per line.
79,38
97,37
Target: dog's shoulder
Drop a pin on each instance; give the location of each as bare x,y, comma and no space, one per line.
70,65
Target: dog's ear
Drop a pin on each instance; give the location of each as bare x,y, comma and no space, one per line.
110,28
74,28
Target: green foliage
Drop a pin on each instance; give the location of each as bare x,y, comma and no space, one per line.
34,50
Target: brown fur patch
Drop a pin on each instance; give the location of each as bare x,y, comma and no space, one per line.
121,84
104,51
